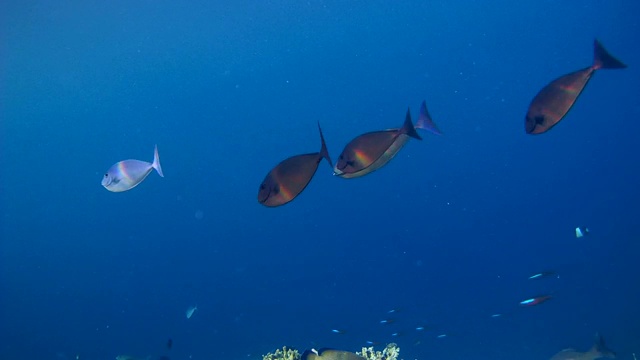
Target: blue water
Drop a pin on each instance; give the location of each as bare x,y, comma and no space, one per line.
446,234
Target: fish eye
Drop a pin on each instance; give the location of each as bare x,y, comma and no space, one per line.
106,175
262,186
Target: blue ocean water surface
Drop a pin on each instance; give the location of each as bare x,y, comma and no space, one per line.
445,235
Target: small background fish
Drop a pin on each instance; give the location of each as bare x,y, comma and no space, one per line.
127,174
190,311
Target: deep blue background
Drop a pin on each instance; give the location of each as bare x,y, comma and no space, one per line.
447,233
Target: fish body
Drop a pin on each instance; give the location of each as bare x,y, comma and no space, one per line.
371,151
537,300
544,274
291,176
555,100
329,354
127,174
368,152
598,350
190,311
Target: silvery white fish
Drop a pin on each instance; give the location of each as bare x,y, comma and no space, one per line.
581,231
190,311
127,174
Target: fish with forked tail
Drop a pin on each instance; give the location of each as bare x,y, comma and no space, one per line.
597,351
371,151
127,174
291,176
555,100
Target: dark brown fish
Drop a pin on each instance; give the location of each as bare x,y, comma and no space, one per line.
287,180
330,354
370,151
555,100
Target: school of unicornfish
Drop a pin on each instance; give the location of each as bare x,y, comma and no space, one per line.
372,150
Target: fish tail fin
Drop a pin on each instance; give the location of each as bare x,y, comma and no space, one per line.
408,128
323,150
600,348
603,60
156,162
424,121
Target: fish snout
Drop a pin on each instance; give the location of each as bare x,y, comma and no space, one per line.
106,180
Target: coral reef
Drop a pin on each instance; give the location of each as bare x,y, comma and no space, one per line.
283,354
391,352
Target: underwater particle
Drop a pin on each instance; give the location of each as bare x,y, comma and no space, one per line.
127,174
338,331
441,336
582,231
553,102
286,353
190,311
199,215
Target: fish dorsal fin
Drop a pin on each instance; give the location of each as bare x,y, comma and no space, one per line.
408,128
323,149
601,349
